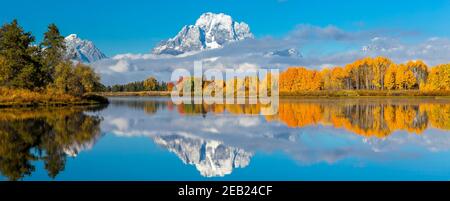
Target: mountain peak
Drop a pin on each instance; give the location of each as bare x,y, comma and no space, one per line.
71,37
82,50
211,158
207,18
290,52
210,31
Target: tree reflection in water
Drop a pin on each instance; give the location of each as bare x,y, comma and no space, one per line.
218,142
369,117
44,134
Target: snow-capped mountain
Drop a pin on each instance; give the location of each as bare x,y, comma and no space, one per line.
82,50
74,149
209,32
381,44
211,158
290,52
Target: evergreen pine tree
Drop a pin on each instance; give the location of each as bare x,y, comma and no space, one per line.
53,52
21,59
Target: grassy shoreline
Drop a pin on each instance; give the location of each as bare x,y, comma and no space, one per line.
27,98
11,98
367,93
313,94
137,93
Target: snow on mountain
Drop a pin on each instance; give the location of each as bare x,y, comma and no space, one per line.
290,52
381,44
77,147
82,50
211,158
74,149
209,32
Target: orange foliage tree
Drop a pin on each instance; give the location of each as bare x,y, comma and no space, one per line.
378,73
300,79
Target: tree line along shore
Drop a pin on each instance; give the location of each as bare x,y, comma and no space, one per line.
367,77
309,94
370,76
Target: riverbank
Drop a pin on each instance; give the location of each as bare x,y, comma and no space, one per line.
366,93
324,93
27,98
136,93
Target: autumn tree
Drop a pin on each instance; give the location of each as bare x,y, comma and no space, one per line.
89,80
287,79
354,75
326,79
361,73
170,86
404,77
379,68
367,72
335,79
151,83
296,79
339,78
439,78
66,81
420,71
389,79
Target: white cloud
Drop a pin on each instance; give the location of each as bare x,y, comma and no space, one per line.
433,50
247,66
326,66
120,123
120,67
248,122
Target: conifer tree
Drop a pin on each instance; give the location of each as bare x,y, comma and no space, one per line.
53,52
21,65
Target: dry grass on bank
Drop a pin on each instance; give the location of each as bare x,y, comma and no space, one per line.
324,93
365,93
23,97
137,93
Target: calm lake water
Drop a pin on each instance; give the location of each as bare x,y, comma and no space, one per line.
144,138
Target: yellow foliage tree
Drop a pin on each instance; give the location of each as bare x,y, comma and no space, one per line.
420,71
379,68
389,79
296,79
439,78
367,74
404,77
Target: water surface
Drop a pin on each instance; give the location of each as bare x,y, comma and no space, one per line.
144,138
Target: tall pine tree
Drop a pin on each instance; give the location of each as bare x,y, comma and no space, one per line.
53,49
21,59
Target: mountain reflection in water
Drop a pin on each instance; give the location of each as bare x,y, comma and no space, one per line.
218,138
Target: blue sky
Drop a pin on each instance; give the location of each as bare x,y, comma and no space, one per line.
136,26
